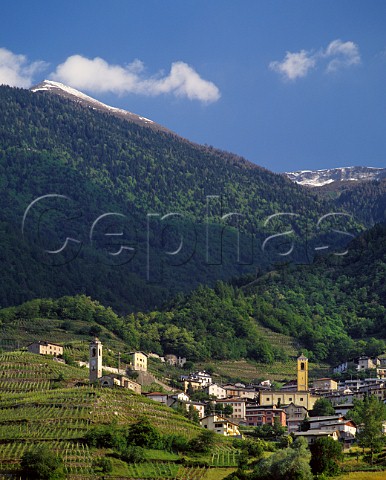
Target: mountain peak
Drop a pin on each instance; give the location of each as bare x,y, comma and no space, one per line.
66,91
319,178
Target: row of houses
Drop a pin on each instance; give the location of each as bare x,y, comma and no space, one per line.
364,363
139,359
337,427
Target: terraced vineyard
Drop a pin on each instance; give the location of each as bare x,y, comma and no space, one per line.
74,334
36,408
26,372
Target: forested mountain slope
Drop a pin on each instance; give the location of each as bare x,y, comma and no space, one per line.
334,309
92,164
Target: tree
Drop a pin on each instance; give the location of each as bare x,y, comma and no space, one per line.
278,429
369,415
322,407
190,389
106,436
289,464
228,410
104,464
143,434
192,414
325,453
305,425
42,463
203,442
133,454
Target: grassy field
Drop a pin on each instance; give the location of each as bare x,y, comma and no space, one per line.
362,476
218,473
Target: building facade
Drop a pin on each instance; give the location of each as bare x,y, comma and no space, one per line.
95,369
139,361
295,416
220,425
302,373
45,348
114,379
257,416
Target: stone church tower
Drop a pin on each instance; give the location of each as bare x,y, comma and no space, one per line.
95,360
302,373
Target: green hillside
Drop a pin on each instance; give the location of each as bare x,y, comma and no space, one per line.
36,407
333,309
365,200
191,326
100,164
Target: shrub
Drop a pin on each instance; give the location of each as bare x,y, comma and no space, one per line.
143,434
133,454
104,464
203,442
41,463
175,443
106,436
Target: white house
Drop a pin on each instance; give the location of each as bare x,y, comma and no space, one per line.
45,348
312,435
240,390
159,397
216,390
220,425
367,363
318,422
341,368
138,361
175,361
347,429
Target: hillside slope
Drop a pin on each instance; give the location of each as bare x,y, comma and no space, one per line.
93,164
61,417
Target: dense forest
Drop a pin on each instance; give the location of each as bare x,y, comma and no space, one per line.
365,200
164,190
335,308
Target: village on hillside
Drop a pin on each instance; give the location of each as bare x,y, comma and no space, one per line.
229,409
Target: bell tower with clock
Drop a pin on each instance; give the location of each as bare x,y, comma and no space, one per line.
95,360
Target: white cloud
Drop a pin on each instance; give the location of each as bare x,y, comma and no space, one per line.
97,76
338,55
16,70
344,54
294,65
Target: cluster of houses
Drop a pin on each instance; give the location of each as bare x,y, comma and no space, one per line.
258,405
364,363
249,405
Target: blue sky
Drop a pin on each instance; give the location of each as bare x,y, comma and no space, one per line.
289,84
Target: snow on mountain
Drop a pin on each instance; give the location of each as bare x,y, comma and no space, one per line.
318,178
75,95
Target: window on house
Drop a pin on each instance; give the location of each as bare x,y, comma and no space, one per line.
302,366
